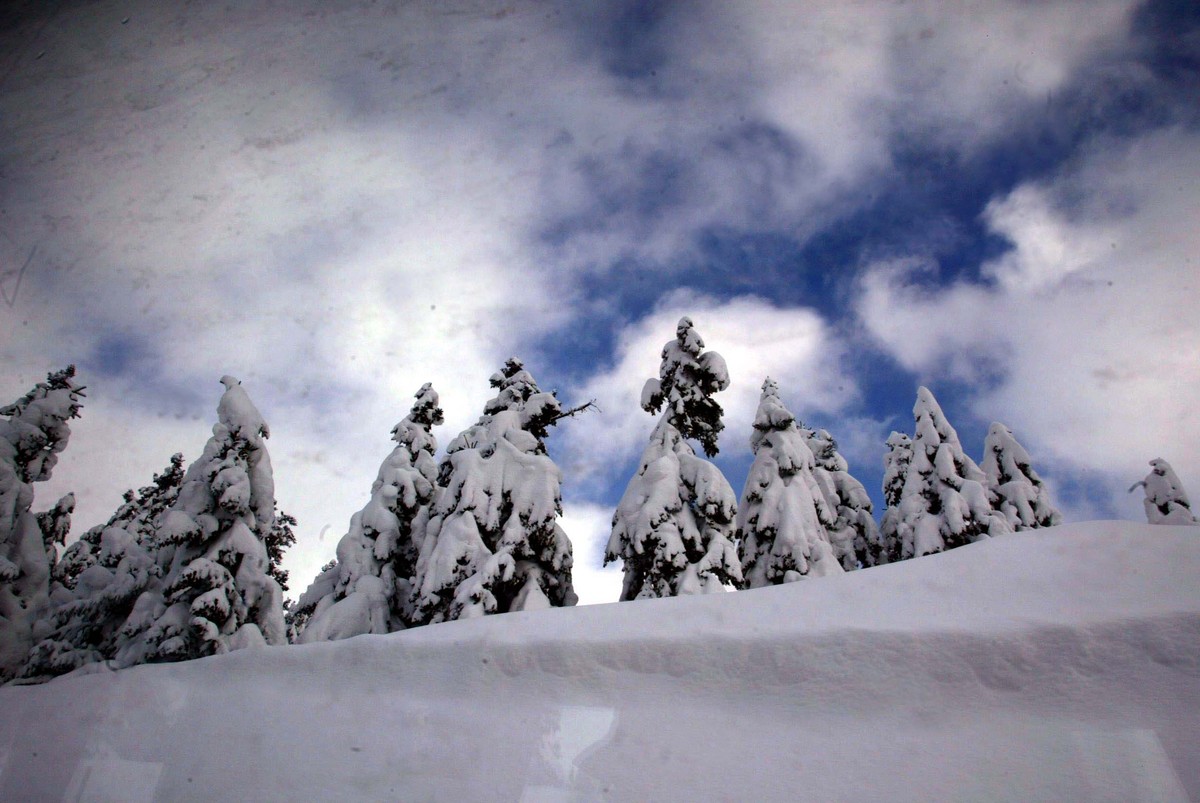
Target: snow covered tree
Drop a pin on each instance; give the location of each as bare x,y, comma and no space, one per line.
944,503
33,431
674,526
781,521
216,594
1166,502
99,579
493,544
280,537
369,588
895,472
852,529
1015,489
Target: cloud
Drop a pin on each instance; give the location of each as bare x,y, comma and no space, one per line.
1086,325
588,527
794,346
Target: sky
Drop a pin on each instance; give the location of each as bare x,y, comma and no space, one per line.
338,202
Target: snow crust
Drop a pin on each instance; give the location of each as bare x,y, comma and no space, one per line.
1057,664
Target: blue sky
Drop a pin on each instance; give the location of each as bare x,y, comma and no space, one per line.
339,202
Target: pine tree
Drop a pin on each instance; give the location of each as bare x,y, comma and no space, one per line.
280,537
1166,502
943,503
895,472
493,544
216,594
100,578
1015,489
371,586
674,526
33,431
781,531
852,529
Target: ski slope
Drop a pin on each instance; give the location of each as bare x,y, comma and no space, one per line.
1054,665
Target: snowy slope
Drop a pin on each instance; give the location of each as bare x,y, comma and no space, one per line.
1057,665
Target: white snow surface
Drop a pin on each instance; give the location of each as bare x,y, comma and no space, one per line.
1057,664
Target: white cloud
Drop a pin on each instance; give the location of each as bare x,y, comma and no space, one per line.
794,346
1090,321
588,527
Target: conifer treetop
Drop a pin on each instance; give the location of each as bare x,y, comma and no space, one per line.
687,379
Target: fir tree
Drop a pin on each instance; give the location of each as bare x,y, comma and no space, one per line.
493,544
1166,502
852,529
781,520
216,594
1016,490
674,526
895,471
100,578
33,431
280,537
943,503
371,587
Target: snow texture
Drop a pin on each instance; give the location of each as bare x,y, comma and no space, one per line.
493,543
674,527
33,431
1033,666
1014,487
944,501
370,588
1166,502
782,518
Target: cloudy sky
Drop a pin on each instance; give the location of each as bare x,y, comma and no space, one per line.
337,202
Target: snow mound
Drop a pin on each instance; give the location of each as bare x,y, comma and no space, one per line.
1061,664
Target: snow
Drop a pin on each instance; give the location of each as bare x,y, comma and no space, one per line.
1057,664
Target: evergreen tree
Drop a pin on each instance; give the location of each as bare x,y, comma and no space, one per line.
852,529
280,537
1016,490
943,503
99,579
371,586
781,521
674,526
493,544
895,472
216,594
1166,502
33,431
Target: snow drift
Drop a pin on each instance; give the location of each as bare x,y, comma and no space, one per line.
1057,664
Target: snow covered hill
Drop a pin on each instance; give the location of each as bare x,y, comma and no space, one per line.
1062,664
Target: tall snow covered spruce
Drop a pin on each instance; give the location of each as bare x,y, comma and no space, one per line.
99,579
33,431
852,529
943,502
1166,502
895,471
674,526
493,544
216,594
369,587
781,531
1015,489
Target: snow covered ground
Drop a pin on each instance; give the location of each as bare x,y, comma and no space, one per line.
1054,665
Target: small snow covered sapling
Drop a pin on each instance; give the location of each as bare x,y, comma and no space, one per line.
1166,502
852,528
33,431
1016,490
781,521
216,594
493,543
368,589
943,502
674,525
